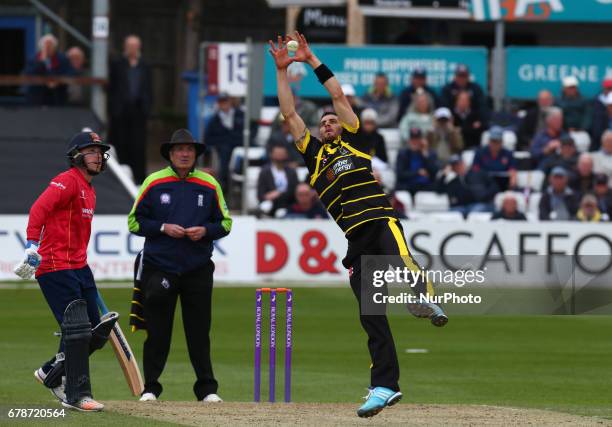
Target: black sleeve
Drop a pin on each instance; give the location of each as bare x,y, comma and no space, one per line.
358,140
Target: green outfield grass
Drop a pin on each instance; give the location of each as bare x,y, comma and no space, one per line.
550,362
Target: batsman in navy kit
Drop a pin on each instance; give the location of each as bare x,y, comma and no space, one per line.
340,170
181,211
58,232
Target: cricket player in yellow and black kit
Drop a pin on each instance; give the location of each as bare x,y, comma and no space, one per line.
341,172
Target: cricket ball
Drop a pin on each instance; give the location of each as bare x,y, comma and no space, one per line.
292,45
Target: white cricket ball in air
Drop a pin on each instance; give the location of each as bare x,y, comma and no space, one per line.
292,45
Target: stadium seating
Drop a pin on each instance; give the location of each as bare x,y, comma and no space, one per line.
530,179
449,216
252,177
405,199
479,216
468,157
256,158
534,203
302,173
428,201
582,140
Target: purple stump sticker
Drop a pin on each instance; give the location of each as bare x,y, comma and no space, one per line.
288,344
272,345
258,313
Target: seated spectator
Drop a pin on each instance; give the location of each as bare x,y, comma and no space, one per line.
576,111
307,205
548,141
602,118
535,119
416,165
382,100
77,94
469,120
47,62
282,136
445,139
276,182
497,161
467,192
461,83
419,115
369,127
509,210
307,110
558,202
566,157
602,159
224,133
588,211
351,97
603,194
418,84
584,179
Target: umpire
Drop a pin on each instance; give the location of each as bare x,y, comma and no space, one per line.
180,211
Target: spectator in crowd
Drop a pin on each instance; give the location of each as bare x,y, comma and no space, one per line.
602,159
467,192
588,211
576,111
469,120
602,118
509,210
77,93
307,205
369,126
416,165
418,84
224,133
47,62
130,94
558,202
535,119
276,182
282,136
548,141
382,100
419,115
496,160
566,157
461,83
584,179
351,97
603,193
445,139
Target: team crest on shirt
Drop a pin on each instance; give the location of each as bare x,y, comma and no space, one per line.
330,175
343,151
165,283
165,199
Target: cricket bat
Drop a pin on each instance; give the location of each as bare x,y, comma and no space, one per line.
124,354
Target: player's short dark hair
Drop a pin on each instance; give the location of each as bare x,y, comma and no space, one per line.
327,113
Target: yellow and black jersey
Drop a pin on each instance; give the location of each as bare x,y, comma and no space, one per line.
341,173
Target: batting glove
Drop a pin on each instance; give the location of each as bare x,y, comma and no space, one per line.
26,268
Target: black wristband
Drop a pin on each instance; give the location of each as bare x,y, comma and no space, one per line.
323,73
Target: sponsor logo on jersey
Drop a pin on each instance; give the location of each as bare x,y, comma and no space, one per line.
87,213
58,185
200,199
165,199
343,165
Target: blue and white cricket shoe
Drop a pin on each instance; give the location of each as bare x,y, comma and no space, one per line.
377,399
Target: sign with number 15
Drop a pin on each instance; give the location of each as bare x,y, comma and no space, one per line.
227,65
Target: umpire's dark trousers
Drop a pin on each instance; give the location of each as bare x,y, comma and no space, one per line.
161,291
378,237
